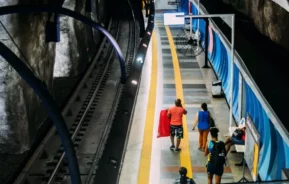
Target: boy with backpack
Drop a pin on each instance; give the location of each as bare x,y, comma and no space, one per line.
183,179
217,157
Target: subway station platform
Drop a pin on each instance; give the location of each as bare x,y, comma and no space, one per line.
168,75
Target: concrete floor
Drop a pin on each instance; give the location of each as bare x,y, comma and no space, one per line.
196,86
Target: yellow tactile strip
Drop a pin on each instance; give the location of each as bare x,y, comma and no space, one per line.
144,169
185,159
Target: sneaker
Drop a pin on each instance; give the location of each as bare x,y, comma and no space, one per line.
172,147
201,149
177,149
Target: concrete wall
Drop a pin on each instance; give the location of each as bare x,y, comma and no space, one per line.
269,17
21,111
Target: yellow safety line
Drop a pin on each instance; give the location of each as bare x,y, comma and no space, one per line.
144,169
185,158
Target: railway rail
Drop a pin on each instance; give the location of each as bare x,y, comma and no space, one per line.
89,114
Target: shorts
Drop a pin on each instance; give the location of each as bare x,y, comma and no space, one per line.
177,131
212,170
237,141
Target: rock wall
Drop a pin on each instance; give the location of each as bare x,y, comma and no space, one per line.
21,111
270,18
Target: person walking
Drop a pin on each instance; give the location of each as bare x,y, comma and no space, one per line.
175,114
183,179
203,121
217,157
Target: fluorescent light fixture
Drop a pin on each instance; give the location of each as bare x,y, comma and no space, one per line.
134,82
140,60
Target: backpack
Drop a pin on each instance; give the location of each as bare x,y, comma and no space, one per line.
218,154
189,181
238,134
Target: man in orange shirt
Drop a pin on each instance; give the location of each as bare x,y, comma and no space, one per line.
175,114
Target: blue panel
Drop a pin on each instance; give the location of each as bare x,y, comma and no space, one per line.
236,93
184,7
281,157
220,62
202,25
273,156
286,152
254,108
212,55
194,12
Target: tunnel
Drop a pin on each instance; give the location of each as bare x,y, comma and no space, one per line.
97,97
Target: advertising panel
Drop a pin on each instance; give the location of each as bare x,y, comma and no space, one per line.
172,19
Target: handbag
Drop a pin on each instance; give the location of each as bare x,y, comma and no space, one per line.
211,121
238,134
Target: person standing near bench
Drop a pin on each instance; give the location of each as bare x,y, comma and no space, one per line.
175,114
217,157
203,121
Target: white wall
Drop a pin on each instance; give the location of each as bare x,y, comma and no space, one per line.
283,3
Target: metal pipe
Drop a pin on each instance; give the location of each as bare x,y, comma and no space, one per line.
232,68
206,44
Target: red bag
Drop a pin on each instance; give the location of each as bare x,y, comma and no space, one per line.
164,125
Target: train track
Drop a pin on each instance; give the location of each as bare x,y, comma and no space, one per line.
89,114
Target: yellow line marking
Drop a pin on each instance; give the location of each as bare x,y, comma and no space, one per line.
144,169
185,152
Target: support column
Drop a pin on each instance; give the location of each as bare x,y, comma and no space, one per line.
206,43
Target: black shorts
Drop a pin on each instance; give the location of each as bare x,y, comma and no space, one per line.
177,131
211,170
